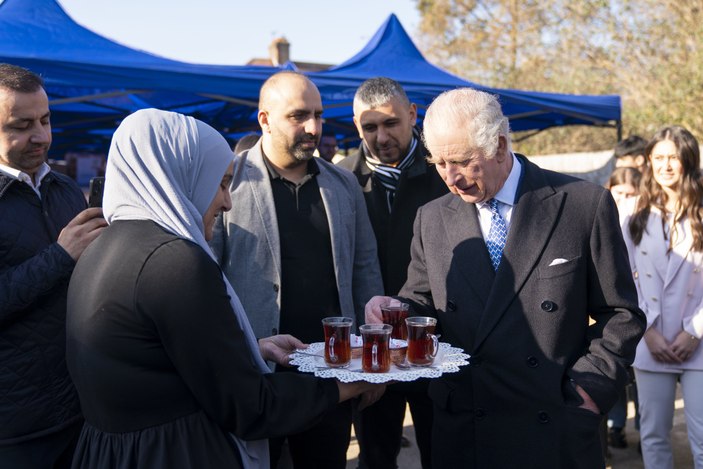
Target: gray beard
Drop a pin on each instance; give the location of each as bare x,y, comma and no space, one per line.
302,155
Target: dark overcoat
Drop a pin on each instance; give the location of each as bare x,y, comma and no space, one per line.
527,325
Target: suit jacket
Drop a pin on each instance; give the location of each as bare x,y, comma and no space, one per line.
670,287
418,184
526,326
247,244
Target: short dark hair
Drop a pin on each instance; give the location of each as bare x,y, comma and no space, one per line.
378,91
246,142
633,145
19,79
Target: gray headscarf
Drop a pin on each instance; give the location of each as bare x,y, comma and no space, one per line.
166,167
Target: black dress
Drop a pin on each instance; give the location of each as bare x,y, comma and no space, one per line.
161,366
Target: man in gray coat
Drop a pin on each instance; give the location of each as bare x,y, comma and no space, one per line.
298,245
527,271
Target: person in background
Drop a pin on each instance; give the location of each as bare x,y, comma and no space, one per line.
44,229
664,235
167,367
392,170
298,246
629,153
328,146
246,142
515,263
623,184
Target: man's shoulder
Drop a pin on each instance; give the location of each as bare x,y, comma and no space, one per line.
351,161
560,181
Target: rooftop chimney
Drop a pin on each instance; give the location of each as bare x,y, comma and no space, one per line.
279,50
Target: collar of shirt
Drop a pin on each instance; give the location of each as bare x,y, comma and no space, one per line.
44,169
506,196
313,170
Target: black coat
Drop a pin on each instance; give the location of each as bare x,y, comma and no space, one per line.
526,326
161,364
418,184
36,393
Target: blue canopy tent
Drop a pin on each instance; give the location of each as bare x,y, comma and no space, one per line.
93,83
392,53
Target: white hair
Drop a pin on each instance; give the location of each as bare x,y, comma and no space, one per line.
477,112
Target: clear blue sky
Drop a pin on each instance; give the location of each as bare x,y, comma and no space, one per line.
233,31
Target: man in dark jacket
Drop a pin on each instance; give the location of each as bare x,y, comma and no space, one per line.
44,230
396,180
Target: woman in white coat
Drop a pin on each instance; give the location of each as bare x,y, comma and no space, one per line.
663,230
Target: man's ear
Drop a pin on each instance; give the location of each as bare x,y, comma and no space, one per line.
639,160
413,114
358,127
502,150
263,118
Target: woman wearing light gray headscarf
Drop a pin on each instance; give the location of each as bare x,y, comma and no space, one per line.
167,368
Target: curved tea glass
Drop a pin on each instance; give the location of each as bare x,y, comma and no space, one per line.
422,342
376,354
395,315
337,345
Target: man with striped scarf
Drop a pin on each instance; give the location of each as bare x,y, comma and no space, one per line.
396,180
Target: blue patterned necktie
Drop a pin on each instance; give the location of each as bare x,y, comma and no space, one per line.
496,235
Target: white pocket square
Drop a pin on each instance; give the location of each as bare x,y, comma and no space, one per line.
558,261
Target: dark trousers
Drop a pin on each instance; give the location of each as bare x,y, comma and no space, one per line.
380,427
53,451
323,446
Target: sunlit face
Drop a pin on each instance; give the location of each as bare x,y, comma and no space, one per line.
222,202
293,120
622,192
466,171
666,165
387,130
25,131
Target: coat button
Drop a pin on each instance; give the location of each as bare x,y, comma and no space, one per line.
479,414
532,362
275,287
543,417
451,306
654,298
475,361
274,331
548,306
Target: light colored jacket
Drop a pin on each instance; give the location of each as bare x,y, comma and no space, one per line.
669,286
247,244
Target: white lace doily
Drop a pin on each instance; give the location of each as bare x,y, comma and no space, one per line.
448,360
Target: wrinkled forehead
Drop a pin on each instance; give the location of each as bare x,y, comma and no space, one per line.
448,139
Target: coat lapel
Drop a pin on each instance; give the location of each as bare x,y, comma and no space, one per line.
463,231
679,253
534,216
333,209
262,194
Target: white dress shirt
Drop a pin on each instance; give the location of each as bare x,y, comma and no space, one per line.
44,169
